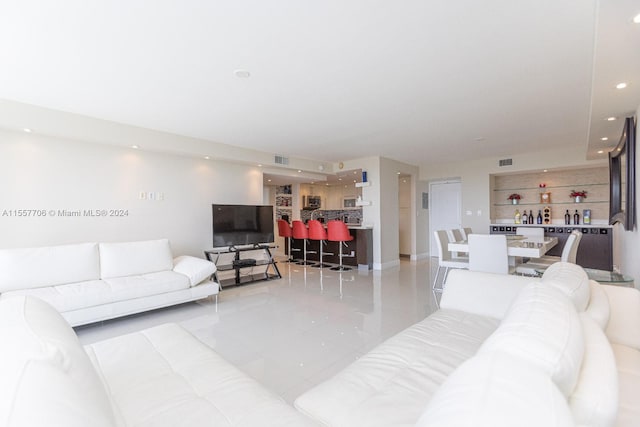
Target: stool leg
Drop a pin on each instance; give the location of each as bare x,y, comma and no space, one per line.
290,259
341,267
304,254
320,264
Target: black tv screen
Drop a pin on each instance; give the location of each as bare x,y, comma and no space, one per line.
236,225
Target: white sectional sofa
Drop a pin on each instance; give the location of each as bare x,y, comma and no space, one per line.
501,351
162,376
90,282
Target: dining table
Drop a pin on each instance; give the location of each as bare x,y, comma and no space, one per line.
518,246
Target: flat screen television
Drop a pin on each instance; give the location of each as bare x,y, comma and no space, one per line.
237,225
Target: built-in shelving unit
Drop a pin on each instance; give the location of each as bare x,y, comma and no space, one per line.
594,180
284,201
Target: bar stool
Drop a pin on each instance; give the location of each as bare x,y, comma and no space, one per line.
337,231
284,230
317,232
301,232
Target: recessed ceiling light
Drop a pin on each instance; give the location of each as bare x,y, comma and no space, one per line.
355,180
339,179
242,74
135,147
312,182
259,165
545,170
207,157
397,173
27,130
621,85
600,151
269,180
636,19
299,171
604,138
327,184
610,119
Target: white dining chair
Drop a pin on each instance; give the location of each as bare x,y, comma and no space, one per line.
454,235
465,233
445,258
489,253
537,232
536,266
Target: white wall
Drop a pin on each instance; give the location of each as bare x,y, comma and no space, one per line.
627,244
422,222
52,174
404,196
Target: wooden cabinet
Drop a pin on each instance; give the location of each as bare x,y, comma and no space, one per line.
595,249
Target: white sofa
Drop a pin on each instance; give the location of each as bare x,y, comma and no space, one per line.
501,351
91,282
162,376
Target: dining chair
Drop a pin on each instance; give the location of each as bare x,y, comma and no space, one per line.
454,235
537,232
465,232
536,266
445,258
489,253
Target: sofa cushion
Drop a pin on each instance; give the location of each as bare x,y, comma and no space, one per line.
497,390
76,296
598,308
163,376
478,292
195,269
47,378
594,401
48,266
133,258
542,327
628,366
572,280
392,383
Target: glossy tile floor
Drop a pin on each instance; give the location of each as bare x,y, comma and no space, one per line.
295,332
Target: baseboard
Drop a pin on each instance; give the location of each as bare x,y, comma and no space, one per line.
423,255
388,264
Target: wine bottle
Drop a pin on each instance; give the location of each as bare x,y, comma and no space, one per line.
576,218
517,217
531,216
525,218
567,218
540,216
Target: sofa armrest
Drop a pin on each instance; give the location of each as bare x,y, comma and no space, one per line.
485,294
196,269
624,318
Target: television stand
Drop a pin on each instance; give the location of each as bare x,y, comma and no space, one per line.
238,263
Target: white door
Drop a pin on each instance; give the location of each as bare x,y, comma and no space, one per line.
445,209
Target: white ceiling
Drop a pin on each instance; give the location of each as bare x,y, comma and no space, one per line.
418,81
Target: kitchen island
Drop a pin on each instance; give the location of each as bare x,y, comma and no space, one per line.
357,253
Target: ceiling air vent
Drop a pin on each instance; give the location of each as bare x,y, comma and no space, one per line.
505,162
281,160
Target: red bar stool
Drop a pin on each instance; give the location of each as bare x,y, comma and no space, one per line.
301,232
284,230
317,232
337,231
